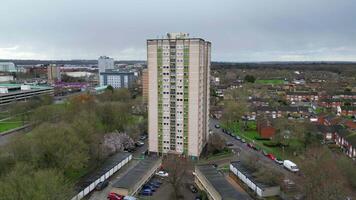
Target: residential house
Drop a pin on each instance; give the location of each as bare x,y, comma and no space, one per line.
348,110
302,96
265,128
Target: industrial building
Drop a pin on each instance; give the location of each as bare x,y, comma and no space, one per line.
178,78
135,178
17,92
213,182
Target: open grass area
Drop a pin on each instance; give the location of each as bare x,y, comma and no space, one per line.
270,81
251,135
10,124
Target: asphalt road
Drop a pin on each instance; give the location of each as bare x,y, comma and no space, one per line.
245,151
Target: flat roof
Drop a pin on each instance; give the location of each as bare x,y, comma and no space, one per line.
110,163
248,174
130,179
218,181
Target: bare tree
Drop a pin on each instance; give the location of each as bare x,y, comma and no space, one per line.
176,166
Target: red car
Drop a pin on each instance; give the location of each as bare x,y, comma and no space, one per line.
114,196
271,156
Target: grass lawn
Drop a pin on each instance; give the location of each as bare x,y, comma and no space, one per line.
10,124
270,81
251,134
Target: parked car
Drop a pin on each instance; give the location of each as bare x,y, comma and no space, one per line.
147,186
130,198
250,145
224,130
217,126
237,138
243,140
139,143
290,166
162,173
114,196
271,156
156,182
229,144
143,137
101,185
193,188
155,185
146,192
279,161
264,153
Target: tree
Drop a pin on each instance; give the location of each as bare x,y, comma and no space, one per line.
176,166
233,111
25,182
216,143
322,178
250,78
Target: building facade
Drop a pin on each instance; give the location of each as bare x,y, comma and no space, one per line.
178,95
105,63
8,67
117,78
53,73
145,84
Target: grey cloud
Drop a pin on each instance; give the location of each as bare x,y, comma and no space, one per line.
254,30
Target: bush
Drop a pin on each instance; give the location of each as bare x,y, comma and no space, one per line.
272,144
265,139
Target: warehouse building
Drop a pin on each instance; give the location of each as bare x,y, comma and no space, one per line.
209,179
134,179
17,92
245,175
110,166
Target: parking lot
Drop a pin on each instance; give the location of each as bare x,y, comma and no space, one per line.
165,191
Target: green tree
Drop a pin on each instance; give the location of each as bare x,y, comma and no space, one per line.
24,182
250,78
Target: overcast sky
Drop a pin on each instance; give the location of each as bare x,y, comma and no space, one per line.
240,30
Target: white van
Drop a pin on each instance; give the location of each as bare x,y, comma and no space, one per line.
290,166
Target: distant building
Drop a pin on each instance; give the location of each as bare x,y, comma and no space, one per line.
105,63
178,98
145,84
16,92
117,78
6,79
7,67
53,73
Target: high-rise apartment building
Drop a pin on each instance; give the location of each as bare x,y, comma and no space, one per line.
145,84
53,73
178,98
104,63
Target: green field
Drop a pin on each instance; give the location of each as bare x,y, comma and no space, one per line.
270,81
251,134
10,124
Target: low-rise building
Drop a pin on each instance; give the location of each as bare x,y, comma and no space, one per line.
265,128
134,179
117,78
262,190
17,92
302,96
209,179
